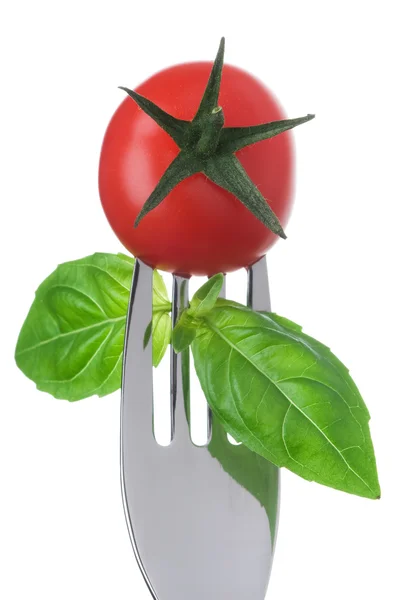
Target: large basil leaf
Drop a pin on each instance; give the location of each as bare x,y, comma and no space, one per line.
286,397
72,340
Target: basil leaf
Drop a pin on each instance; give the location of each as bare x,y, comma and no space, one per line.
160,298
286,397
72,340
183,332
204,299
161,334
160,326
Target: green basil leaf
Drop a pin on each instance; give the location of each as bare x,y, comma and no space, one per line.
160,298
160,326
161,334
72,340
184,332
286,397
204,299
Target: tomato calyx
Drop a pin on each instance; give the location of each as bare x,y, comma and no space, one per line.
210,133
207,147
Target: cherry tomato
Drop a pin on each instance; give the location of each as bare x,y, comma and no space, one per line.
199,228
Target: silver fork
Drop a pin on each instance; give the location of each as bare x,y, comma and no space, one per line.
199,530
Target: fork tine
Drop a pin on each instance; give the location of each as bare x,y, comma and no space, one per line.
179,381
136,409
258,292
200,413
201,421
162,402
223,290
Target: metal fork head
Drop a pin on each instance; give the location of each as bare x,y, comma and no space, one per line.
199,528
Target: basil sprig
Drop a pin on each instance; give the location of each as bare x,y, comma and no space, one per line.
72,340
281,393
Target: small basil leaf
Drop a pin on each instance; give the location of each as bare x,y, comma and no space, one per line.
72,340
160,298
161,333
204,299
161,325
286,397
184,332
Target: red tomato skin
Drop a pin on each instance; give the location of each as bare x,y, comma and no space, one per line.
199,228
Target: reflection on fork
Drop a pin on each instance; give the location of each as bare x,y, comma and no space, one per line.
201,519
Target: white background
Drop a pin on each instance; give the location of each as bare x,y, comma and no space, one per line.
62,529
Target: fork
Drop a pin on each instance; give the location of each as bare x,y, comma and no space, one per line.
198,531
